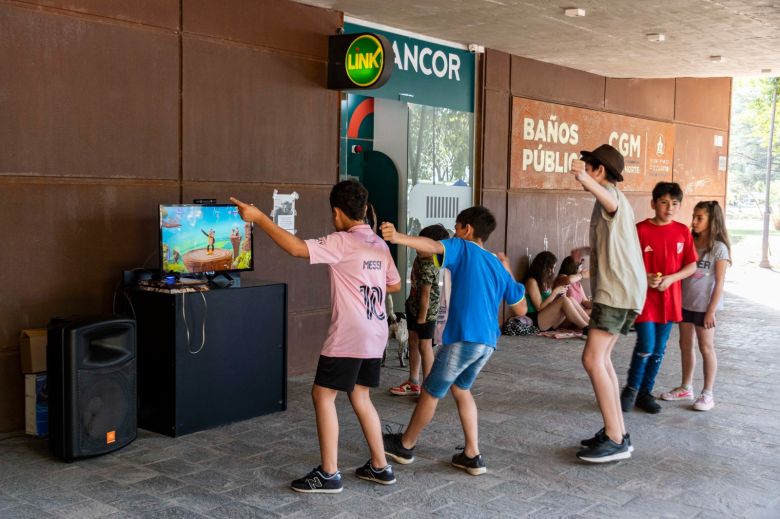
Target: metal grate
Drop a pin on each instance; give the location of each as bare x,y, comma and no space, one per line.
441,206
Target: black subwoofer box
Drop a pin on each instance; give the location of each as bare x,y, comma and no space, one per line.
93,403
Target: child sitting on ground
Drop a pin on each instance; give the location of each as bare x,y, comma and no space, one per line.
422,307
571,274
361,270
549,307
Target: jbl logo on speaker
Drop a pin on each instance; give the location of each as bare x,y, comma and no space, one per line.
110,437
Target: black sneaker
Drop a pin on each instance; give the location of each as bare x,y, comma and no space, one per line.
605,451
597,438
382,476
474,466
627,399
318,482
601,436
394,448
646,402
627,439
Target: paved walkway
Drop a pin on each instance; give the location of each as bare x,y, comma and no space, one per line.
535,405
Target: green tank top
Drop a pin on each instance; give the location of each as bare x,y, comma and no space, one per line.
531,308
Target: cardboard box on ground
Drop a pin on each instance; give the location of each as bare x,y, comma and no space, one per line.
36,404
32,354
32,350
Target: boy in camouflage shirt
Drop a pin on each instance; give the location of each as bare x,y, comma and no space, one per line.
422,307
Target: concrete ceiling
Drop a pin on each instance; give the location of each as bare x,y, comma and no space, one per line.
611,40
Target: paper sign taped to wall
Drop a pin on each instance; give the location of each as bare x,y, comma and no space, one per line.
283,214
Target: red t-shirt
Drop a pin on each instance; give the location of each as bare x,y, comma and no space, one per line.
665,249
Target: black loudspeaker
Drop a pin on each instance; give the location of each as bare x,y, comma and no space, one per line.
91,364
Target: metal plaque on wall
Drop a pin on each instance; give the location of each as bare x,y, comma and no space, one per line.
546,137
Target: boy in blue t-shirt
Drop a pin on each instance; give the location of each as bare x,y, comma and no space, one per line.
480,280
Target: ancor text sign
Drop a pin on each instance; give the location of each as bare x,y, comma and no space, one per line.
547,137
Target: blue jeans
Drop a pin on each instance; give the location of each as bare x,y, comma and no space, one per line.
648,353
458,363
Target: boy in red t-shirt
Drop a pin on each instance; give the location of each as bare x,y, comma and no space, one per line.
669,256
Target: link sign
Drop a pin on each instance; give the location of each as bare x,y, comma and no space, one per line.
359,61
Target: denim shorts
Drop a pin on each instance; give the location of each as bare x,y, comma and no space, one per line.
458,363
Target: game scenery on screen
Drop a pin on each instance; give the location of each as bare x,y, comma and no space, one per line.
204,238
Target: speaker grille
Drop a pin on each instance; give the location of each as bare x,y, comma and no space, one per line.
107,408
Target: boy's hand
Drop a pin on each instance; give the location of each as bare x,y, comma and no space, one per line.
388,232
577,169
653,280
248,212
664,283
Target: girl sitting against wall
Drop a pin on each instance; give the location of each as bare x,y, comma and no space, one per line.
571,273
550,307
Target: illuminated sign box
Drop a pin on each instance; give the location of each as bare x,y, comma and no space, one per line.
359,61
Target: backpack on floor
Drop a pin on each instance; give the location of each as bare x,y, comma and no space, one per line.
519,325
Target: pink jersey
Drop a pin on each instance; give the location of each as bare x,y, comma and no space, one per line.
360,268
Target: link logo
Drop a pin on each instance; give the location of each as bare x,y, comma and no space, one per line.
365,60
373,299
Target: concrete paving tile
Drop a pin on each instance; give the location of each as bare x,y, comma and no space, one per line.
364,506
173,512
192,452
144,456
78,477
726,498
157,485
646,507
25,485
419,499
128,474
467,510
264,497
25,511
174,467
53,497
232,464
213,480
140,503
85,510
106,491
241,511
313,506
8,501
197,499
571,503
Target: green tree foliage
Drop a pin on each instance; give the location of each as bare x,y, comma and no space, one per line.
750,121
439,145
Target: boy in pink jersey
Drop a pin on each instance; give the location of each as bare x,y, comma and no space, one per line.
361,271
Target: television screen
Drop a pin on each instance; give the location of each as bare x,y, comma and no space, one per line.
204,238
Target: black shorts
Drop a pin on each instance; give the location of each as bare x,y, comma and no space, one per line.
424,330
343,373
696,318
534,316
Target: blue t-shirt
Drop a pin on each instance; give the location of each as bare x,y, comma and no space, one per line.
479,283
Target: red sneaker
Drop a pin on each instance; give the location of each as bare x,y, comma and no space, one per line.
406,389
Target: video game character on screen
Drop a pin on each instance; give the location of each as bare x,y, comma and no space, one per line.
227,245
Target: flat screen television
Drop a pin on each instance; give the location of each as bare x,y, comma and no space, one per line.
204,239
